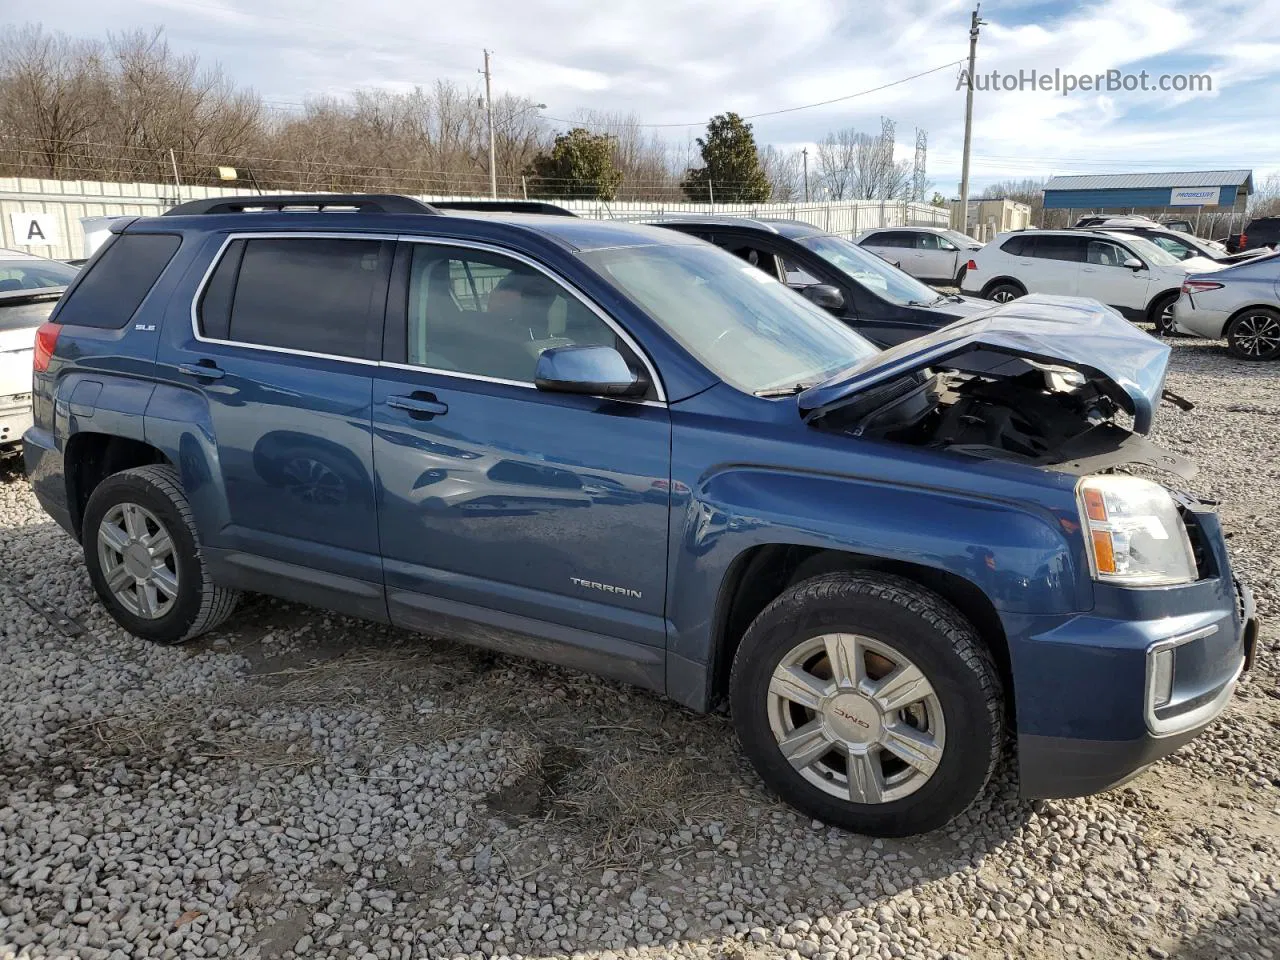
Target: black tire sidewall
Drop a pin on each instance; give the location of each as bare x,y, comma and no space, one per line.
1240,354
1157,311
131,487
967,756
1017,291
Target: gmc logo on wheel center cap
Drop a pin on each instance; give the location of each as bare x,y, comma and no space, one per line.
845,714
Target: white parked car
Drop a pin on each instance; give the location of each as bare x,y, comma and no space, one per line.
29,287
932,254
1123,270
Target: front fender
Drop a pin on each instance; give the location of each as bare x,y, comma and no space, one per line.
1015,553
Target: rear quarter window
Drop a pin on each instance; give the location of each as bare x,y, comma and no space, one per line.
116,283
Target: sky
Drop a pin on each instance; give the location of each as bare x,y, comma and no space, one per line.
678,62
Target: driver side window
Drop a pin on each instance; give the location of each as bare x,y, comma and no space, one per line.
1106,254
484,314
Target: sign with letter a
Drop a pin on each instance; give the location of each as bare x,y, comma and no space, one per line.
32,229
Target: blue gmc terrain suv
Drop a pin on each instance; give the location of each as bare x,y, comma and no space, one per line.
623,449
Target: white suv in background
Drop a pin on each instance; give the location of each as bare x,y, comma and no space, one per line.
932,254
1122,270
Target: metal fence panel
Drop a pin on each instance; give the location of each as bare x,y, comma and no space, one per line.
69,200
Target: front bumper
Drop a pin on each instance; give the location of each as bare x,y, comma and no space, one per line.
15,418
1209,659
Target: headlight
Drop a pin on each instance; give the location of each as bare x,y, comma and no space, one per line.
1133,532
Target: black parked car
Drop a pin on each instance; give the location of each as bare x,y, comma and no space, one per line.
881,302
1261,232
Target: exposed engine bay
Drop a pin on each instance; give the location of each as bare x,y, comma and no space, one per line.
1046,416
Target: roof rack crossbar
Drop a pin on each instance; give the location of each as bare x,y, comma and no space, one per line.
362,202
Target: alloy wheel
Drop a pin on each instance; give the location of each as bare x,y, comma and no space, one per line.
1003,296
138,563
1257,334
856,718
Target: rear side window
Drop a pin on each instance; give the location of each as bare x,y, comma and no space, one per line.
892,239
1050,247
317,294
1017,246
117,282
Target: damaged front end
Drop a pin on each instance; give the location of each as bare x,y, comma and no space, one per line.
1046,381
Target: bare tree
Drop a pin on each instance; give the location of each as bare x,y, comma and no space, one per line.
859,166
52,90
785,172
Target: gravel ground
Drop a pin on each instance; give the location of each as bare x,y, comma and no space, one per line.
304,785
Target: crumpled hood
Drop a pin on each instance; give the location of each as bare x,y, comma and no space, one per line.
1122,361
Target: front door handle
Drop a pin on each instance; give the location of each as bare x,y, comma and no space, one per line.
419,404
205,370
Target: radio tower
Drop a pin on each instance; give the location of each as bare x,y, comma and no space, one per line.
919,183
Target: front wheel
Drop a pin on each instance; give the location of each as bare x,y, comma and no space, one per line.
868,702
1162,315
1255,335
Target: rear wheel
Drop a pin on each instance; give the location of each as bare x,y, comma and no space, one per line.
868,702
1255,335
144,559
1161,314
1004,292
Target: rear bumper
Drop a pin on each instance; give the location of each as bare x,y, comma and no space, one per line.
1209,661
15,418
43,463
1198,322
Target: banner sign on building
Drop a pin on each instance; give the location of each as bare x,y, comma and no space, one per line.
1194,197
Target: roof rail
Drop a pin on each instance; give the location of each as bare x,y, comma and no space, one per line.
362,202
505,206
710,219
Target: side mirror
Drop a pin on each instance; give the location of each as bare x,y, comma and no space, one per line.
1133,263
824,295
598,371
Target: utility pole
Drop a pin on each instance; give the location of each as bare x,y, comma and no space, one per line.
488,109
974,24
805,154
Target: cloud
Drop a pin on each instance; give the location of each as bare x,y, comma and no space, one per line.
674,61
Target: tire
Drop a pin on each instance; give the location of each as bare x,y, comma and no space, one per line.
1255,334
883,617
1161,315
1004,292
179,601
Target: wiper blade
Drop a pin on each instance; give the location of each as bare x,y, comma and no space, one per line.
783,391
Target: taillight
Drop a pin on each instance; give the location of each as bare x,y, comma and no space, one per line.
1199,286
972,265
1244,242
46,341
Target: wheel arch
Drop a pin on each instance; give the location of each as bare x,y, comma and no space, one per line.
759,574
1011,281
91,457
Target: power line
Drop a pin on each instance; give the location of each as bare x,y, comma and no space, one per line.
774,113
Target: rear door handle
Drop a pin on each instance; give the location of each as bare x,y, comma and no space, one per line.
419,404
205,369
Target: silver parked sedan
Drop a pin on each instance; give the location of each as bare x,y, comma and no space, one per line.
1240,303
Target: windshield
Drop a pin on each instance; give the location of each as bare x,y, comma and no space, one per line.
871,271
1175,247
1150,252
740,323
960,240
34,274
